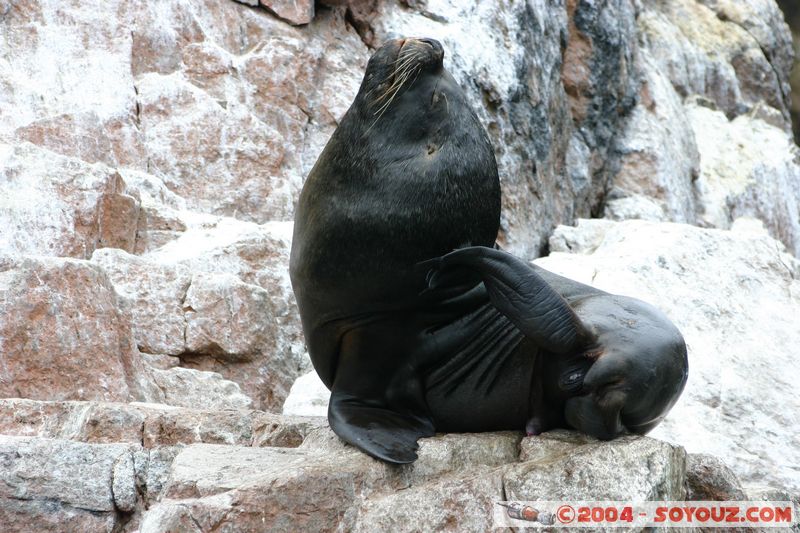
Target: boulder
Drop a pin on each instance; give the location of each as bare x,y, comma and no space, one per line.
153,295
307,397
55,205
160,468
85,485
186,387
294,12
709,479
454,484
656,155
217,296
227,318
567,466
151,425
63,336
748,168
709,139
709,48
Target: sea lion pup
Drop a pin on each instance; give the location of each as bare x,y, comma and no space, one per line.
413,337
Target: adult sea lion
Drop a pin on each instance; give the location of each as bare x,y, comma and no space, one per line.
413,337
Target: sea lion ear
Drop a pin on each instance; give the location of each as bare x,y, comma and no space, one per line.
525,298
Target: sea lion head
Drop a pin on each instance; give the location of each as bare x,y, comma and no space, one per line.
408,174
640,369
407,94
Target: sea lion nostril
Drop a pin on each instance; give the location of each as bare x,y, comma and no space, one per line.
433,43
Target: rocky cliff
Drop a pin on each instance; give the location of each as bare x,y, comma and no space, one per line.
150,156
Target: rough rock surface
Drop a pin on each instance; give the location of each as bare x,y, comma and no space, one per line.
51,484
217,295
151,425
675,159
62,206
237,315
552,84
708,478
748,168
63,336
187,387
250,471
569,466
307,397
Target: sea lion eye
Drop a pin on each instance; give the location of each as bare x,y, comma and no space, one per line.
572,380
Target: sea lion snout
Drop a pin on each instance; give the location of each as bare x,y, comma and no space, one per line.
639,377
422,50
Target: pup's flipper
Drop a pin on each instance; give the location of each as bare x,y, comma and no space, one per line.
522,295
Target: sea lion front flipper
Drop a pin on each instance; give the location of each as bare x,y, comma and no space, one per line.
523,296
379,431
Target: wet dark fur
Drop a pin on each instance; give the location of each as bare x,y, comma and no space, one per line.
476,340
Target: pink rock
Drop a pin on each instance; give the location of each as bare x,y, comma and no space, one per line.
63,336
151,425
294,12
61,206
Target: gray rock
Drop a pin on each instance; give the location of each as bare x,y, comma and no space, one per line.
123,483
153,472
72,473
151,425
51,516
61,206
185,387
710,53
625,469
453,503
227,318
749,168
307,397
64,336
153,295
219,296
656,157
709,478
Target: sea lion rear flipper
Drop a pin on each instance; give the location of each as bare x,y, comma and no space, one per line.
523,296
379,431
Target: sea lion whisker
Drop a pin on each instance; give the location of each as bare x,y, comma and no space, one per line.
402,71
390,93
399,78
399,83
385,106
